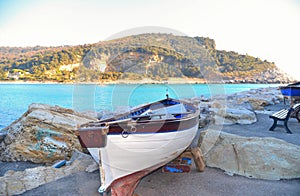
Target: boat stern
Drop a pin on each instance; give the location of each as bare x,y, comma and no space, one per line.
93,136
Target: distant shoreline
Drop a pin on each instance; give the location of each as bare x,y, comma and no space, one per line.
144,81
120,81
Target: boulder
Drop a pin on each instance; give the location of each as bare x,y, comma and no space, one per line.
253,157
259,98
205,114
237,108
228,113
43,134
256,103
18,182
229,116
2,135
241,108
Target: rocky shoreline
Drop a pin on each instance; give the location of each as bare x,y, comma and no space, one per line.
234,138
169,81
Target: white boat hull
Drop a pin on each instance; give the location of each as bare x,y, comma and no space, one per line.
139,151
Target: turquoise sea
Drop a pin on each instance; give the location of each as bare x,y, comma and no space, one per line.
15,98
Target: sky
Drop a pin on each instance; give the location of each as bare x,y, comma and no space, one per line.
268,29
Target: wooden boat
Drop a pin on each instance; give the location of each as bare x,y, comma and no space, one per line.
131,145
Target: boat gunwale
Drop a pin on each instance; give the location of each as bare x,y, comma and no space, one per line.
119,116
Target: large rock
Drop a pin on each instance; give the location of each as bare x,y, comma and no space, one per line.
43,134
229,116
237,108
263,158
259,98
256,103
241,108
18,182
2,135
229,113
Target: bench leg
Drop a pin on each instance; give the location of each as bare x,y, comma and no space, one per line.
286,127
274,125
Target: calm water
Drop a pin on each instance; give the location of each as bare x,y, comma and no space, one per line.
15,98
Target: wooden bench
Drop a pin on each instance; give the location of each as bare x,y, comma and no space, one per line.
284,115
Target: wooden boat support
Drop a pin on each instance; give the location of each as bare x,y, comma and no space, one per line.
198,158
183,163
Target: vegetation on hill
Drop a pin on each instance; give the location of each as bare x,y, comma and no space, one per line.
156,56
233,64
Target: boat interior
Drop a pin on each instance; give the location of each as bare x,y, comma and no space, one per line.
164,109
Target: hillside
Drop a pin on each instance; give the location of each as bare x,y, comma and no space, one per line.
154,56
